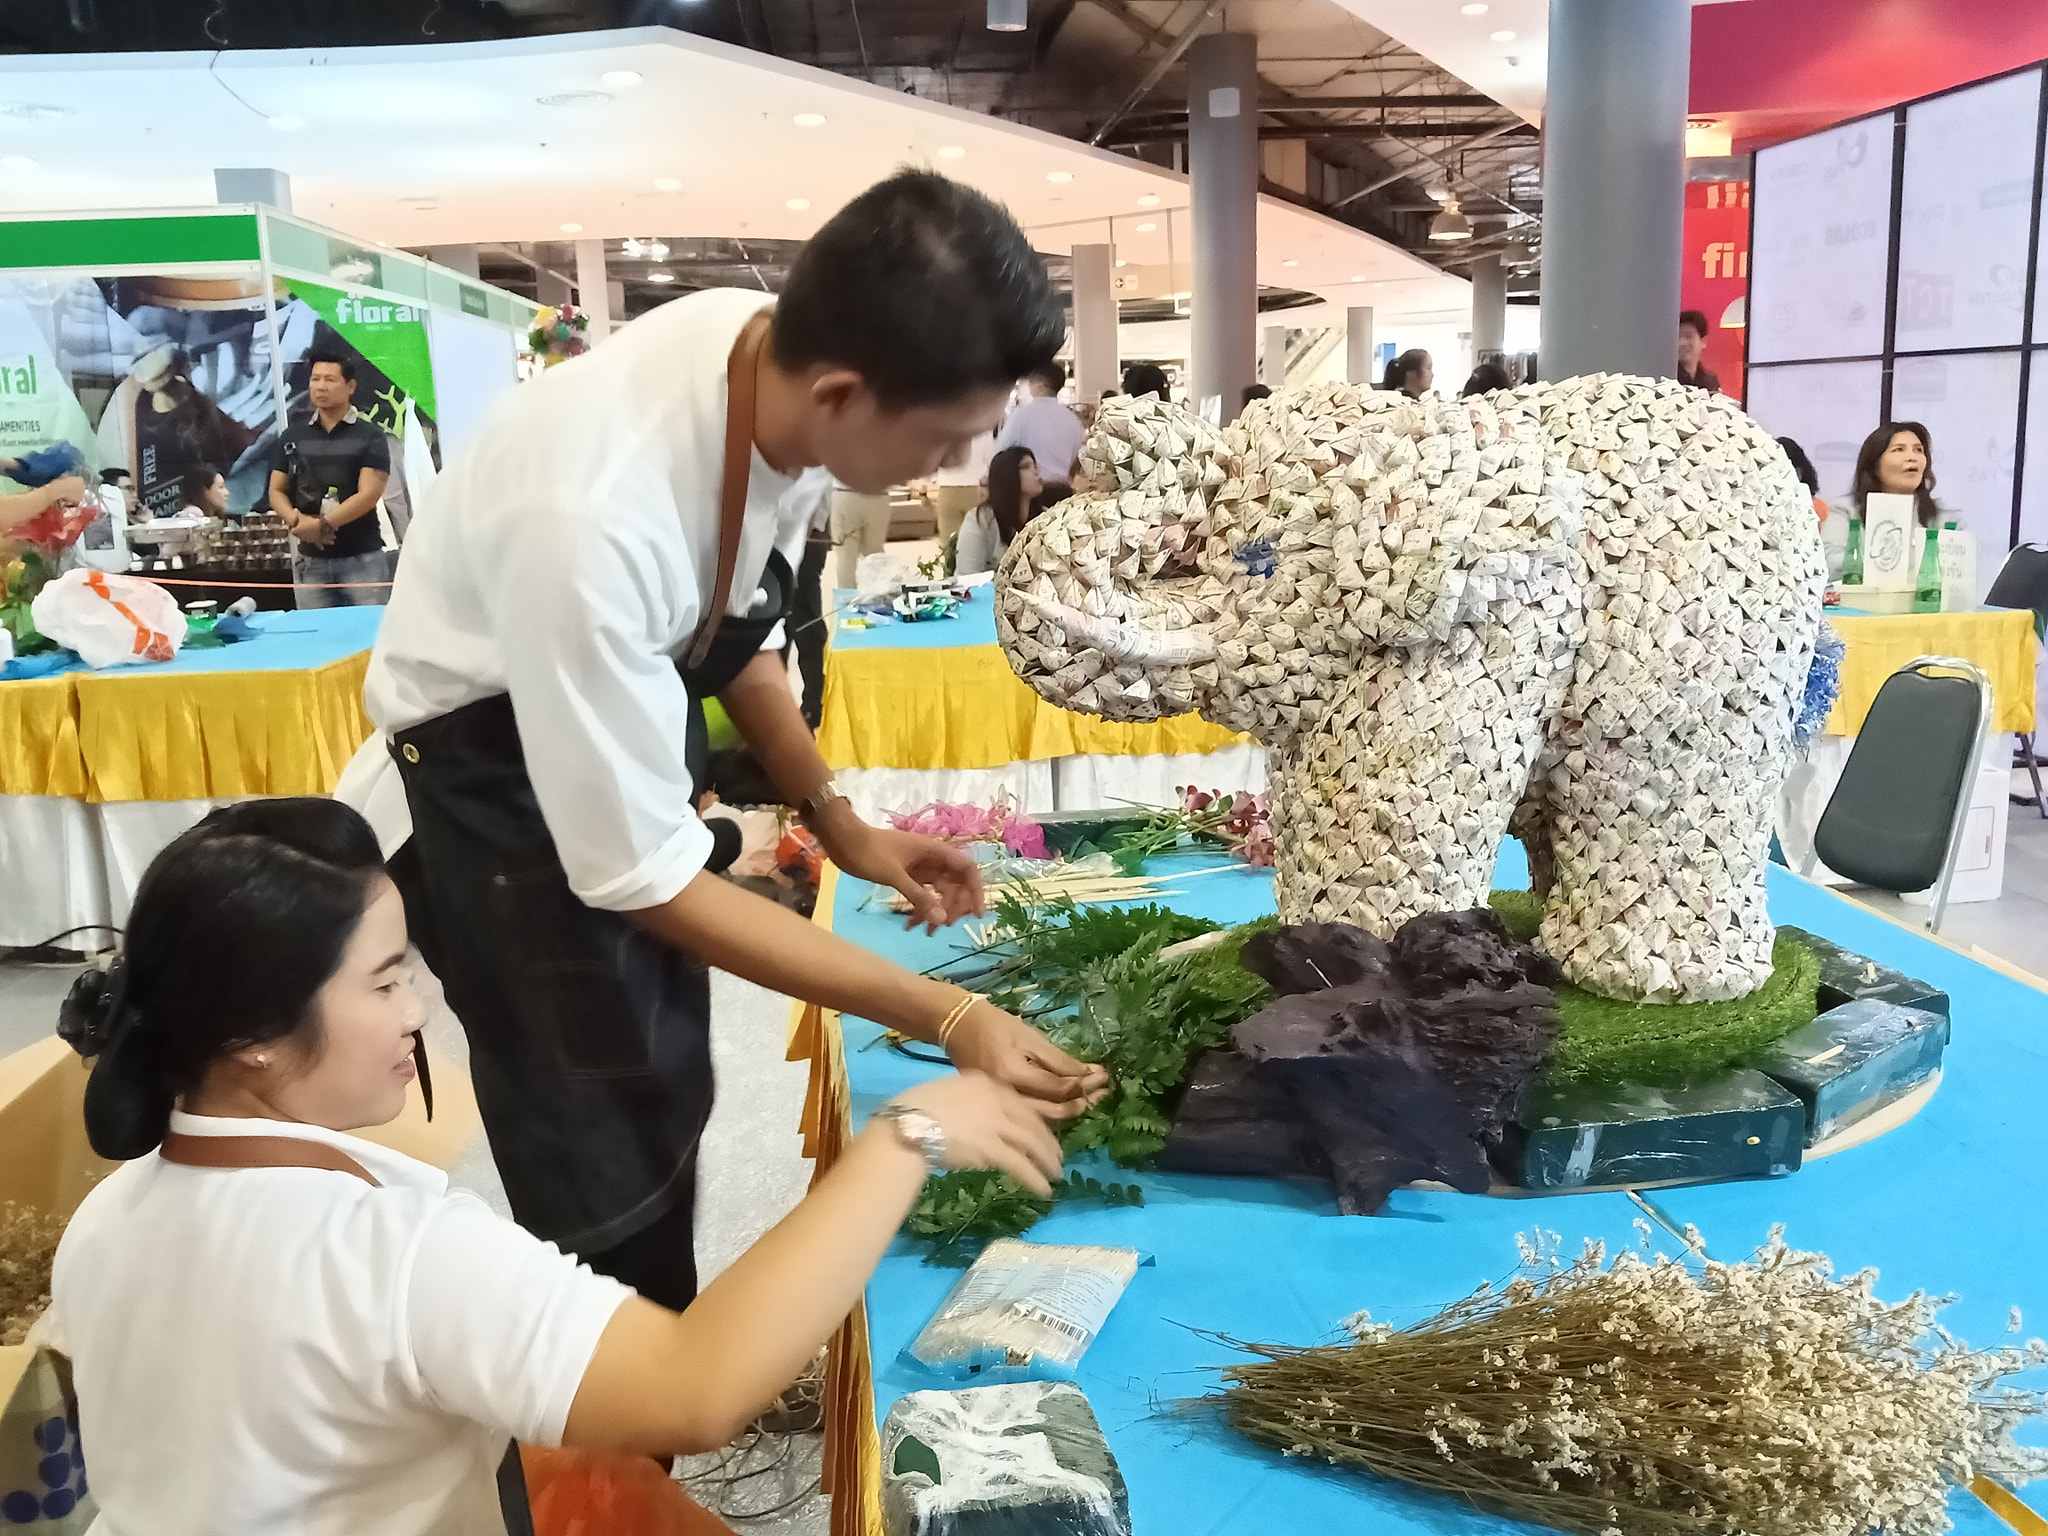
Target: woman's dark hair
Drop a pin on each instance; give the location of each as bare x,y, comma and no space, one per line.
196,482
1255,392
1866,469
237,925
1485,379
924,287
1145,379
1403,367
1802,466
1006,491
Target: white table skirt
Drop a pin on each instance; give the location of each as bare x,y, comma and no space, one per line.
68,865
1082,783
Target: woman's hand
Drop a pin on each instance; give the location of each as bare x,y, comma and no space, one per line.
1002,1046
986,1125
941,883
66,490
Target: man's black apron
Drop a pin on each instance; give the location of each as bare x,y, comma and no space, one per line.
589,1039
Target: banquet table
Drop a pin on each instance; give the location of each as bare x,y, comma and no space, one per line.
1929,1206
931,711
98,770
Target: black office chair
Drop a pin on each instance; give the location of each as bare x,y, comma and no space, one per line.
1895,820
2023,583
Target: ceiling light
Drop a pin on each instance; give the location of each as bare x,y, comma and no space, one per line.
1451,224
572,229
1474,9
667,184
1290,262
33,111
16,163
1059,178
1358,279
951,152
1008,15
574,99
1121,262
1147,227
809,119
619,79
1439,193
1504,35
1149,200
286,122
661,277
797,204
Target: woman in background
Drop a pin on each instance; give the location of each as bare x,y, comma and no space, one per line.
1013,486
203,491
275,1325
1485,379
1412,373
1898,460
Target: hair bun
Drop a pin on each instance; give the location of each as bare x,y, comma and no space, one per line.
92,1009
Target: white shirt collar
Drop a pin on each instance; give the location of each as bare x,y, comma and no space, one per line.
390,1168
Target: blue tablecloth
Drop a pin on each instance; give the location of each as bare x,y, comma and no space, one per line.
973,623
1942,1204
284,642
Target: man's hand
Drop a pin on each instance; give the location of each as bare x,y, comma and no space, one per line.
311,530
1011,1051
941,883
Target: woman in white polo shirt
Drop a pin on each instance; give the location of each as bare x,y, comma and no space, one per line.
278,1327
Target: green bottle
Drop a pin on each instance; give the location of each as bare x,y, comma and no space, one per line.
1852,559
1927,595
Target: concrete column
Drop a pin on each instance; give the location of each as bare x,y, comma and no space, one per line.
1358,345
593,291
249,184
553,290
1095,352
1489,308
1223,172
1614,184
1273,356
456,258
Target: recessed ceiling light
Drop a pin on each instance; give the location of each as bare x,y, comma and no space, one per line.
1290,262
797,204
1147,227
661,277
574,99
1059,177
667,184
1504,35
1379,285
1474,9
809,119
1121,262
286,122
33,111
1149,200
16,163
619,79
572,229
951,152
1358,279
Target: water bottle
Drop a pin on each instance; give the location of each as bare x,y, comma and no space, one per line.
1927,592
1852,559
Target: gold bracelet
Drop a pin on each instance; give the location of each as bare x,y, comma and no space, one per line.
953,1019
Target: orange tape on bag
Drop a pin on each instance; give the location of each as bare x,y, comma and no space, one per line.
149,643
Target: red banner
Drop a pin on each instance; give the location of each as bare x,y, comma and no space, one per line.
1715,272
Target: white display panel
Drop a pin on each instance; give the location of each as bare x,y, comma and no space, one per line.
1820,244
1970,406
1827,408
1967,196
474,363
2034,488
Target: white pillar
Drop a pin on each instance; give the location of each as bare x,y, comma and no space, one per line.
1273,357
1223,167
1095,342
1358,344
593,292
1489,308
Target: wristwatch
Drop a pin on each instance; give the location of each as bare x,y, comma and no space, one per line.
917,1131
817,800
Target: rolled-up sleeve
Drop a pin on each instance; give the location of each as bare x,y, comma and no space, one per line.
603,716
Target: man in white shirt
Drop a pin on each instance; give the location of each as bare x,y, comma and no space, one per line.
1045,426
587,569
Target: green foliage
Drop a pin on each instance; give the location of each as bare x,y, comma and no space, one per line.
1611,1040
957,1213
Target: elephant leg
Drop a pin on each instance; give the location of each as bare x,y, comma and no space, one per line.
1530,826
1395,802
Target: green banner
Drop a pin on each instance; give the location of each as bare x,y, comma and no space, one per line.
392,338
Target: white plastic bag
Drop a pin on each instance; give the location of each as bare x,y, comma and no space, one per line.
111,621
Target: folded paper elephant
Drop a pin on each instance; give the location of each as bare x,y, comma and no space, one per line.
1579,612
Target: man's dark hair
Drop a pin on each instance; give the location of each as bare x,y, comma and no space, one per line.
1802,466
924,287
341,360
1697,320
1145,379
1485,379
1255,392
1052,375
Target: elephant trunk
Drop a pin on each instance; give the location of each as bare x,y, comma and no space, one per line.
1127,642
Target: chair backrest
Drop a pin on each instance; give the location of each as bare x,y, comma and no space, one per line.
1899,807
2022,581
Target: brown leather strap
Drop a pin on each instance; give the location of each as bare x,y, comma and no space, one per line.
259,1152
742,367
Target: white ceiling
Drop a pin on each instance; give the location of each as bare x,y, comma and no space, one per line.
434,145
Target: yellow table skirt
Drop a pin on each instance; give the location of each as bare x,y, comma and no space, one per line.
101,736
962,707
2000,640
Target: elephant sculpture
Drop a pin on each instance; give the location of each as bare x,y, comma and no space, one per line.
1581,613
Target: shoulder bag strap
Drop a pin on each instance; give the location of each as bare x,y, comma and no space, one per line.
741,370
259,1152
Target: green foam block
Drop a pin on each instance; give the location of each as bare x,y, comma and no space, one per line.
1854,1060
1845,976
1735,1125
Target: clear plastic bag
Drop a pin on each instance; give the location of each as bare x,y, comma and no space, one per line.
1024,1312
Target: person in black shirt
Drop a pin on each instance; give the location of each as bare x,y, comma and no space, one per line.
1692,344
324,485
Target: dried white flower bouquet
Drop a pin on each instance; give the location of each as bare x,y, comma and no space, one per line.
1652,1396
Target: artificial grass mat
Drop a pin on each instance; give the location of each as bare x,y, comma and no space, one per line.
1607,1040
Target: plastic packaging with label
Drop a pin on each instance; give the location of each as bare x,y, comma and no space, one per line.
1024,1311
